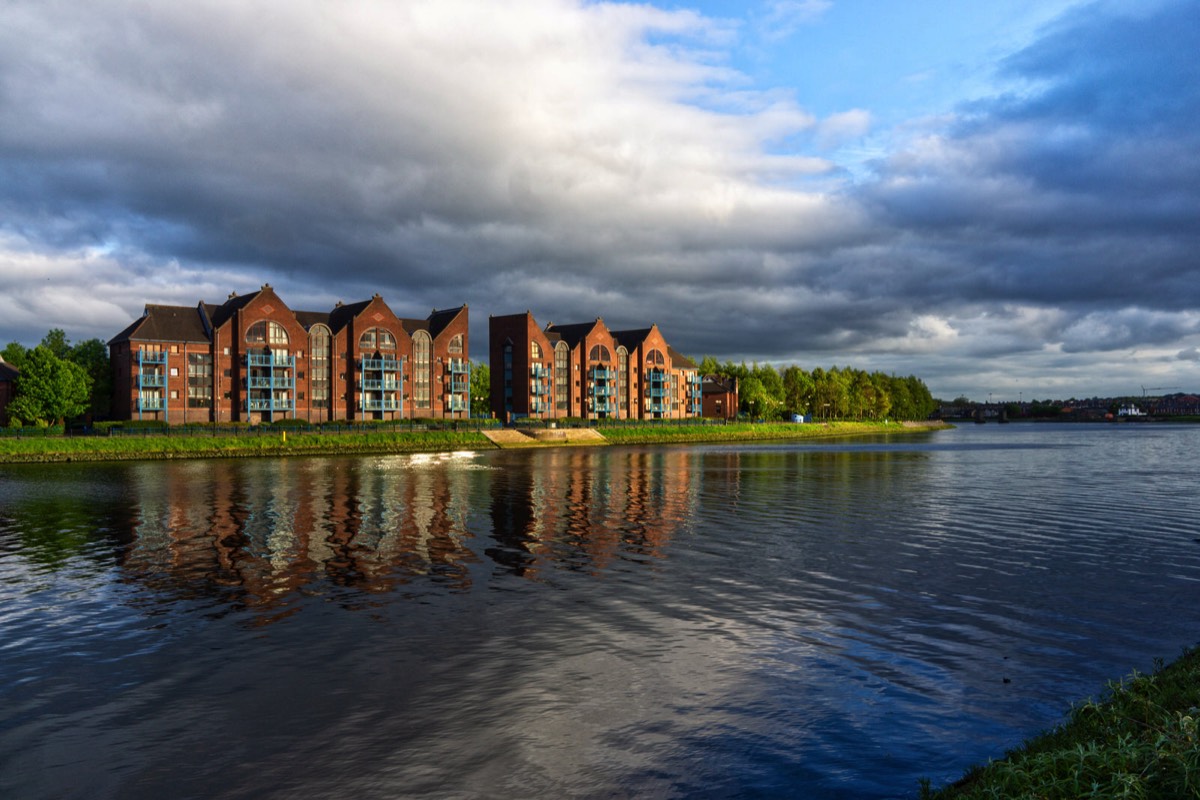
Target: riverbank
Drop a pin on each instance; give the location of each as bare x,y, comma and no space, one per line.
1141,740
51,449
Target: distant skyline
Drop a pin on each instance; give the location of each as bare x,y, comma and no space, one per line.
1002,199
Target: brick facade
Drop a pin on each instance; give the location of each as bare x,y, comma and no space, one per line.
8,378
587,371
253,359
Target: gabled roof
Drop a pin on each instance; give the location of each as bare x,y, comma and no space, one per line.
679,360
572,334
309,318
631,338
439,320
342,313
224,312
166,324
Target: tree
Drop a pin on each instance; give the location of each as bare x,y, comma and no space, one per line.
797,390
481,389
49,389
57,343
92,355
14,353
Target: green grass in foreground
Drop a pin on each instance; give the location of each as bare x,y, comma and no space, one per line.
1139,741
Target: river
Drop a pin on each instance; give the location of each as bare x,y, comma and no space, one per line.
833,619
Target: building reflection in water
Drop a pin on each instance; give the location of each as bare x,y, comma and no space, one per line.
261,532
580,509
257,531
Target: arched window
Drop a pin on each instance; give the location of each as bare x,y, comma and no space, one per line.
377,339
599,353
655,358
320,342
267,332
422,375
456,345
535,350
562,375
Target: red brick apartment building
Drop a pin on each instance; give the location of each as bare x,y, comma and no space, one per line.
587,371
253,359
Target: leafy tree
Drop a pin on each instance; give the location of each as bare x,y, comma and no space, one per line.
57,343
772,385
709,366
481,389
14,353
92,355
797,390
49,389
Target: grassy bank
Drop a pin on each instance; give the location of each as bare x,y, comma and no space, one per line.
14,450
1139,741
751,431
223,445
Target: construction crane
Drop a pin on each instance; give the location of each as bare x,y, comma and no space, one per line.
1156,389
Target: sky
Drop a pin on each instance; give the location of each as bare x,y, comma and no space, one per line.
1001,198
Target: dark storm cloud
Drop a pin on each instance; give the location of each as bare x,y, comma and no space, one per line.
548,156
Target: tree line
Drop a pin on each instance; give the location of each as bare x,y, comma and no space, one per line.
58,381
835,393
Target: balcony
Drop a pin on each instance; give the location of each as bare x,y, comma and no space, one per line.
602,374
152,379
456,404
151,404
459,386
271,360
381,404
459,366
386,384
269,404
539,371
379,364
603,391
152,356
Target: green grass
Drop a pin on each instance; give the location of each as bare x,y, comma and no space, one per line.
744,431
1139,741
226,446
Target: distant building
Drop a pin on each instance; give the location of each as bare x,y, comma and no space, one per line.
8,381
720,397
587,371
253,359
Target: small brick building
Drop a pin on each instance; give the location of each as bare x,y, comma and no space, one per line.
8,381
587,371
253,359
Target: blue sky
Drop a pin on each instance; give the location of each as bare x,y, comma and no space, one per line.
1002,198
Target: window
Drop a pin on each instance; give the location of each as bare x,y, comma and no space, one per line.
655,358
535,350
377,339
267,332
562,375
599,353
456,345
622,371
320,345
199,380
422,369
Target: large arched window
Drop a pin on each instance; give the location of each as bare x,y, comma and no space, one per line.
535,350
422,374
562,375
377,339
655,358
599,353
455,347
320,372
267,332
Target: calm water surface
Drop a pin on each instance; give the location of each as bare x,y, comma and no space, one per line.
784,620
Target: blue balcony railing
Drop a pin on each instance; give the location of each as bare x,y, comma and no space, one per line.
273,360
